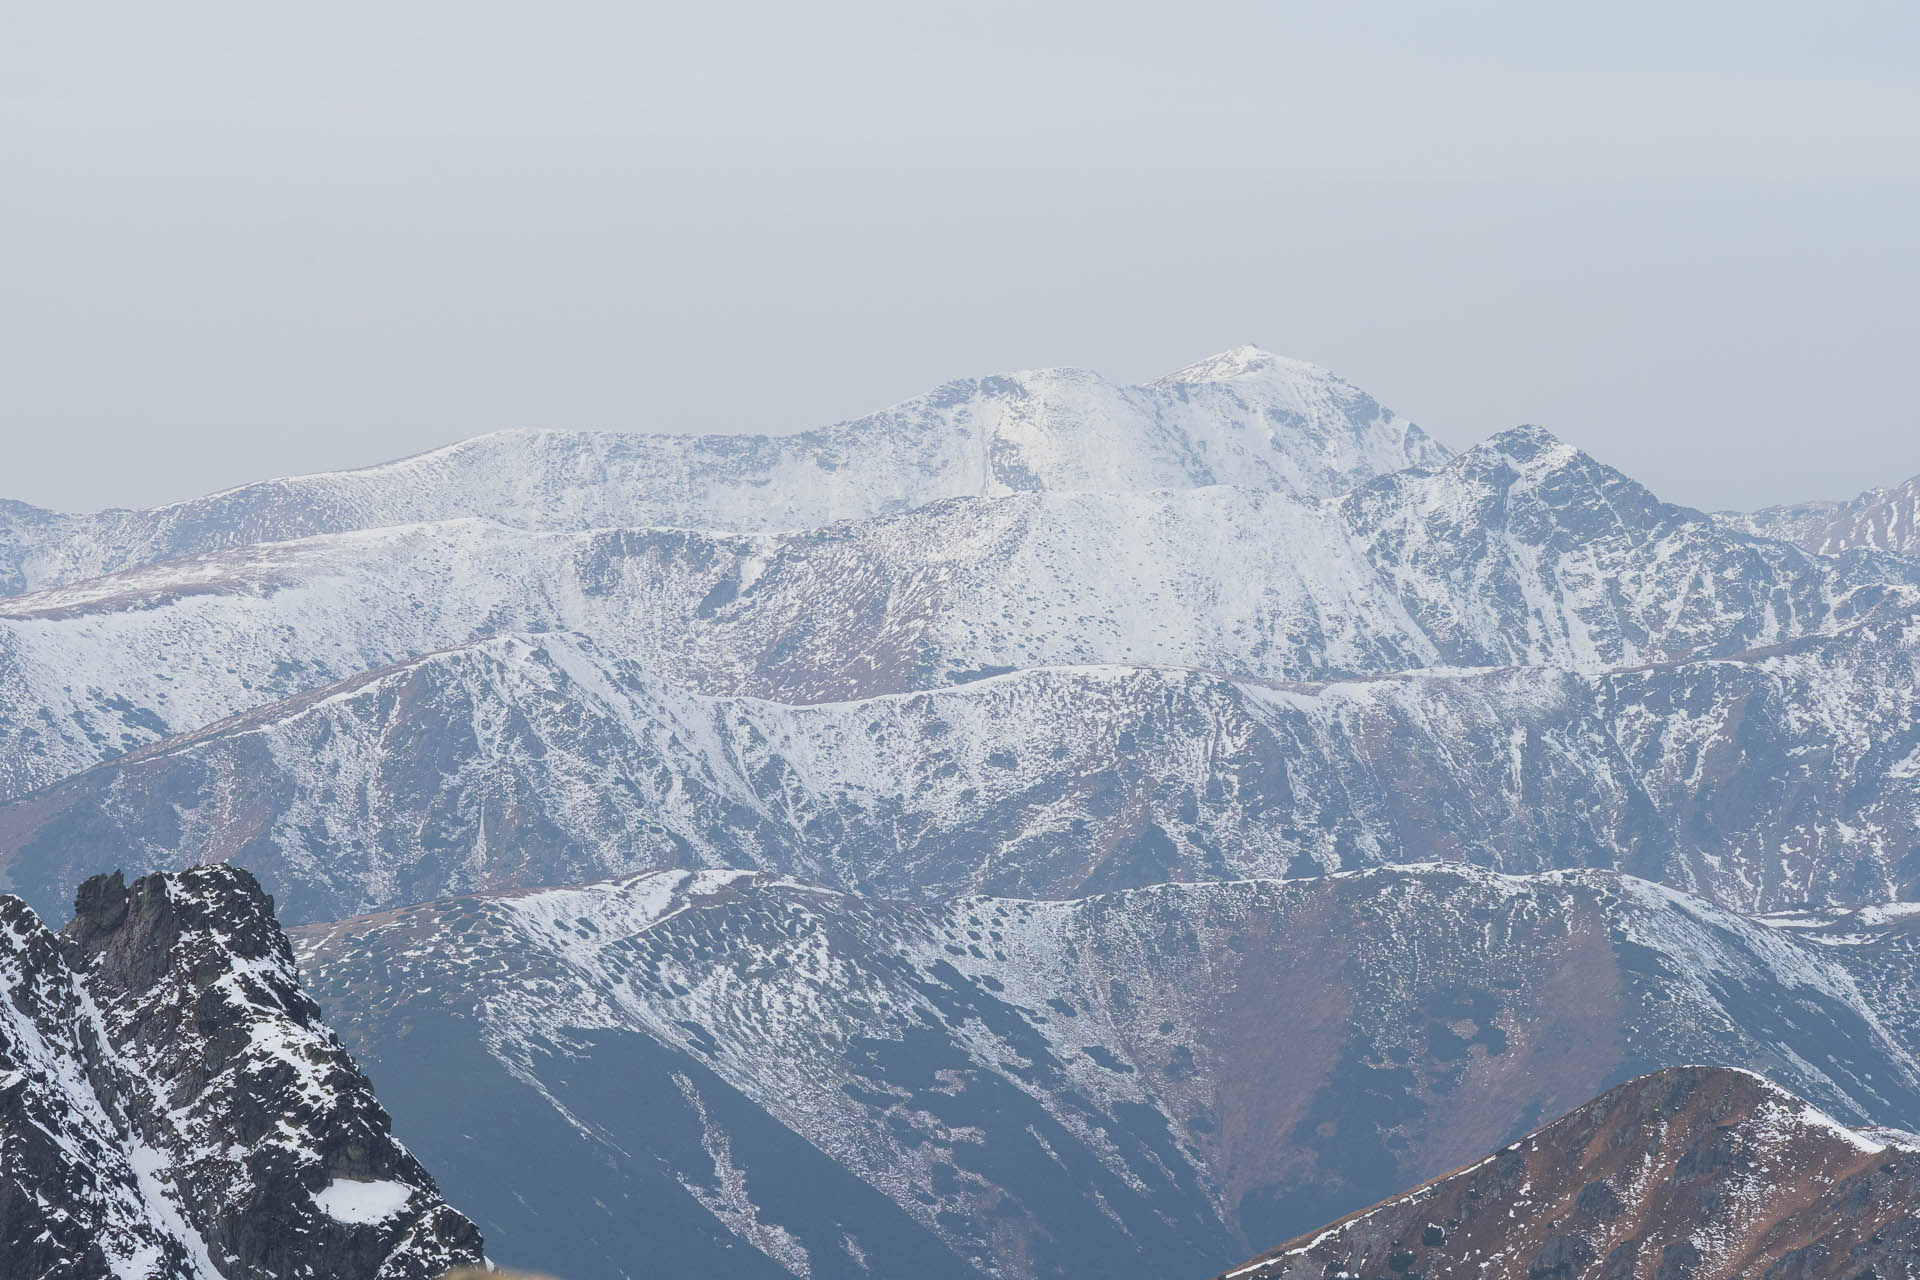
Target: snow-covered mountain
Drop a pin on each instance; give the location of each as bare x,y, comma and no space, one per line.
1880,519
1243,417
172,1106
1692,1171
1785,776
1149,665
1521,551
1153,1082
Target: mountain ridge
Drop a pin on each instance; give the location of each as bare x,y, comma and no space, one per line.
1691,1171
1884,519
1289,425
1470,565
1761,780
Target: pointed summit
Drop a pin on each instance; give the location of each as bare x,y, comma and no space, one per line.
1530,448
1533,460
1528,438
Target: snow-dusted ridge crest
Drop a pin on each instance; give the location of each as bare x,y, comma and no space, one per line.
543,758
1244,417
1885,519
1521,551
1692,1170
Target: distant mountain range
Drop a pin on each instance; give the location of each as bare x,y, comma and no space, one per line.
1244,417
1879,519
1046,828
1521,553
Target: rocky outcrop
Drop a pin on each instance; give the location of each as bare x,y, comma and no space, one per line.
174,1107
1698,1173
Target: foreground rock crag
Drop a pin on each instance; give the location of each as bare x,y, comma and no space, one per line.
1697,1172
173,1107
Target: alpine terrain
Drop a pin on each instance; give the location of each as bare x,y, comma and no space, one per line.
1046,828
1888,519
1152,1081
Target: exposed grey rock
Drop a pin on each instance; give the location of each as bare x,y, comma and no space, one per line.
173,1107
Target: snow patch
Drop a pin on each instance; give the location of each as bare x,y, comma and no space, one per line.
362,1203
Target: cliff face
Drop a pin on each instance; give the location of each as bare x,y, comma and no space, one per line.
1693,1172
173,1106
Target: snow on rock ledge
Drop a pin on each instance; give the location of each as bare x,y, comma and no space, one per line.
355,1201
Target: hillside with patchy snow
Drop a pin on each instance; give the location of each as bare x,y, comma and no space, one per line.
1783,777
1149,1082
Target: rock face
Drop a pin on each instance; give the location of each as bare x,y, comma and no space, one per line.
1689,1172
1149,1082
173,1107
1881,519
1244,417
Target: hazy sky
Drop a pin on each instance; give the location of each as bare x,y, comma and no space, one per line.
245,240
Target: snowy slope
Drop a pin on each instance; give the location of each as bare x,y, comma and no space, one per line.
1128,1085
173,1108
1521,551
1879,945
1782,777
1244,417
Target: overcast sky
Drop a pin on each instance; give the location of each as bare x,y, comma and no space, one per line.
244,240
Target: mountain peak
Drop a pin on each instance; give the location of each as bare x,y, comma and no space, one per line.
1235,363
1526,441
